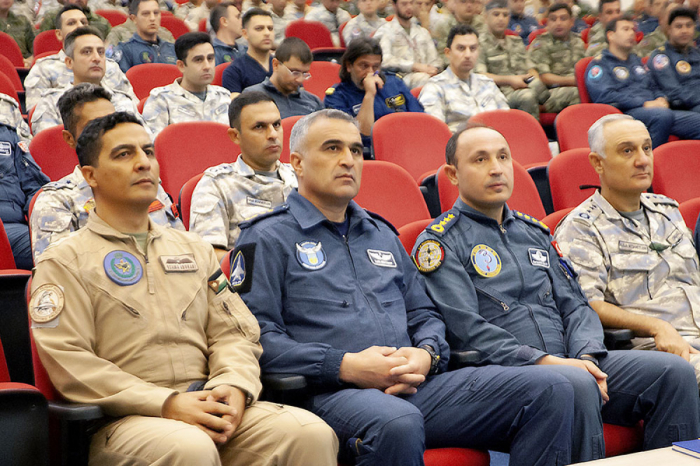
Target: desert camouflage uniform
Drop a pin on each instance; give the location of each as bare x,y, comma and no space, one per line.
11,115
126,30
21,31
232,192
359,26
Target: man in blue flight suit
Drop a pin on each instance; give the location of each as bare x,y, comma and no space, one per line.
504,290
367,93
20,179
617,77
339,302
521,23
145,46
675,66
649,20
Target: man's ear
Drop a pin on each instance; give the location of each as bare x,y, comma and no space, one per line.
596,162
234,135
295,162
89,175
69,63
68,138
451,172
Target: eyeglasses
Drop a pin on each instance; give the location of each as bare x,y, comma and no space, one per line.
298,74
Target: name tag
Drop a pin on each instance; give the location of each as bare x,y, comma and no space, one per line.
539,257
259,202
5,149
179,264
381,258
626,246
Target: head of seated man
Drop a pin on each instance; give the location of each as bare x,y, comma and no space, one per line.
608,10
256,127
85,55
560,21
259,31
462,50
195,60
146,16
291,65
68,19
679,26
225,20
80,105
361,59
497,17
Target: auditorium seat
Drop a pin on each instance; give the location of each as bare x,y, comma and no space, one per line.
185,199
10,71
567,172
47,41
324,74
314,33
552,220
176,26
7,87
115,17
287,125
10,49
146,77
676,167
580,73
219,73
690,210
56,158
573,122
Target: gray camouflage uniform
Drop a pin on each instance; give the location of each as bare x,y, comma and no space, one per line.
359,26
126,30
11,115
231,193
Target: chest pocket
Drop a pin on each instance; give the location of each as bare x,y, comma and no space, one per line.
688,254
634,262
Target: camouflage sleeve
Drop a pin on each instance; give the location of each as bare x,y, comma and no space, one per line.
156,113
432,97
538,57
434,59
35,82
209,217
481,66
29,39
391,59
347,31
439,32
50,221
117,80
45,116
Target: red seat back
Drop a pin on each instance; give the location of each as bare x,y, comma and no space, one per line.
690,210
534,34
7,87
115,17
573,122
10,71
314,33
584,35
56,158
7,260
287,125
676,167
415,92
10,49
580,74
324,74
226,264
47,41
148,76
567,171
176,26
409,233
402,138
552,220
4,371
202,27
185,200
219,73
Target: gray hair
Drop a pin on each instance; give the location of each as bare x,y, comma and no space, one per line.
297,140
596,140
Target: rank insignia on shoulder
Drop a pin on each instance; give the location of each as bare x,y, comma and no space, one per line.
486,261
46,303
242,261
443,223
311,255
429,256
330,91
123,268
155,206
531,220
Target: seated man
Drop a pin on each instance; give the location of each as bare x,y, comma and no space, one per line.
659,36
232,192
51,72
632,251
20,29
339,301
144,46
290,68
608,10
279,19
408,48
520,22
63,206
177,376
191,97
503,289
256,64
195,15
85,57
126,30
554,55
365,24
366,93
11,115
96,21
617,77
653,9
225,21
457,93
328,13
457,12
297,9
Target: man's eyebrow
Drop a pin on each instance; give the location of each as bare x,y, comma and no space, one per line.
121,147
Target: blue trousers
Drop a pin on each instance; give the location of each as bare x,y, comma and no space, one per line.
656,387
18,234
527,411
662,122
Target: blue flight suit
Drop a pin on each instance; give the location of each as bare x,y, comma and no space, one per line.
318,294
137,51
627,85
523,26
647,24
505,292
394,97
579,25
20,179
224,53
677,74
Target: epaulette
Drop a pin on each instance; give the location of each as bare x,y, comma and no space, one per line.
382,219
60,184
589,211
330,91
662,48
531,220
442,223
268,213
660,199
220,169
597,57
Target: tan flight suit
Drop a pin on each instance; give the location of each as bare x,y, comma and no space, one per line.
126,330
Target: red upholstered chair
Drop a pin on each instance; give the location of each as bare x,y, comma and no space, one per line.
314,33
176,26
52,154
10,49
287,125
415,92
148,76
569,171
415,141
219,73
141,104
7,87
409,233
46,41
115,17
7,260
202,26
185,199
226,264
510,32
584,35
573,122
399,201
324,74
10,71
534,34
676,167
552,220
690,210
620,440
580,74
187,149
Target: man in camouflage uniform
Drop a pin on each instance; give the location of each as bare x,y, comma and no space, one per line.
520,22
504,59
51,72
191,97
96,21
408,48
126,30
11,115
657,38
632,251
365,24
233,192
608,10
554,55
19,28
460,12
331,16
63,206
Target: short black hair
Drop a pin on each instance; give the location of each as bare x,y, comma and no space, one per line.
90,141
69,41
451,147
460,30
134,6
218,12
253,12
57,19
612,25
560,6
682,12
294,47
493,4
604,2
75,97
242,101
187,41
357,48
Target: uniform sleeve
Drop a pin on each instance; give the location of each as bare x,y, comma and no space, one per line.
665,78
50,221
337,101
118,81
539,57
432,98
156,113
29,38
31,178
67,351
125,58
35,82
391,61
45,116
232,78
432,56
481,65
209,216
499,97
602,89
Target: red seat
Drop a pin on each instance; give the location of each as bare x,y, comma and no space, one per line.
226,264
409,233
47,42
534,34
141,104
567,172
552,220
528,143
510,32
287,125
10,49
676,166
620,440
30,113
690,210
185,199
219,73
148,76
7,260
401,138
202,26
176,26
400,201
415,92
580,73
187,149
324,74
584,35
10,71
573,122
115,17
7,87
52,154
314,33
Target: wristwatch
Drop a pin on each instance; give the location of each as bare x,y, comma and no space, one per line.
434,359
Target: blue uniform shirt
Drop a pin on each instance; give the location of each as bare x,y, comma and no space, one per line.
296,103
677,74
224,53
523,26
505,292
137,51
318,295
647,24
244,72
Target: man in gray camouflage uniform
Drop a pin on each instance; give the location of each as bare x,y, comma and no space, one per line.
632,251
11,115
365,24
233,192
607,11
63,206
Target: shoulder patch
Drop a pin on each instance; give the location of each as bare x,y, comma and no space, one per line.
242,263
383,220
429,256
531,220
330,91
60,184
661,199
586,213
219,170
442,223
268,213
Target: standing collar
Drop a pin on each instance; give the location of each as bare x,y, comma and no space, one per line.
308,216
104,229
475,214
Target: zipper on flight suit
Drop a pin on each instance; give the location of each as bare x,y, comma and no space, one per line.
503,305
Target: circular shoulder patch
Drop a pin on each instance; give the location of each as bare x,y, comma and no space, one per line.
123,268
429,255
683,67
621,73
485,261
46,303
595,72
660,61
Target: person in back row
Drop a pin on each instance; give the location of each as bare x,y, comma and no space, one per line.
226,23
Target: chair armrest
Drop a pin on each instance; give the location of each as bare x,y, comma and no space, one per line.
66,411
283,382
617,338
459,359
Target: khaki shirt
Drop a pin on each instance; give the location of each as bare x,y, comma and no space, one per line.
596,40
231,193
556,56
21,31
615,263
127,328
506,56
401,49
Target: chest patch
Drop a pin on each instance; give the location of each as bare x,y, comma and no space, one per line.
5,149
683,67
311,255
627,246
486,261
621,73
258,202
238,269
538,257
181,263
123,268
381,258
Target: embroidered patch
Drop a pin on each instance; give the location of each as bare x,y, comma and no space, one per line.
218,282
660,61
5,149
683,67
123,268
626,246
180,263
595,72
485,261
429,256
310,255
46,303
155,206
381,258
238,269
395,101
621,72
538,257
